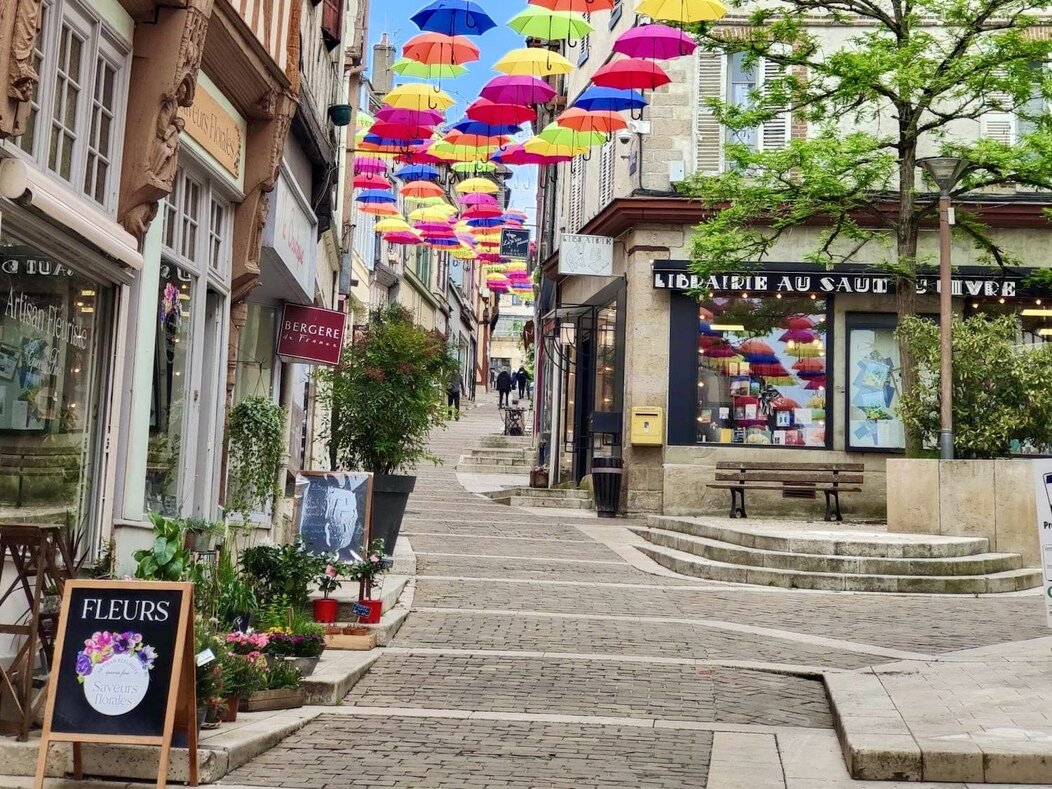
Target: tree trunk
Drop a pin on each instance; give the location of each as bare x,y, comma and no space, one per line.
906,247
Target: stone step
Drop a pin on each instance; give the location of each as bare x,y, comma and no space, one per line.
466,466
501,452
728,553
697,567
563,494
499,441
825,541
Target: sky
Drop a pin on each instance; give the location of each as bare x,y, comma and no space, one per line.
392,17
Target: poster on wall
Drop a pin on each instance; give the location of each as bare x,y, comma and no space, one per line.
874,379
333,513
1043,500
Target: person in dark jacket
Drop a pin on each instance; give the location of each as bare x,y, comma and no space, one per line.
453,391
522,378
504,384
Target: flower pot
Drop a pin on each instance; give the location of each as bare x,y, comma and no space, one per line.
326,610
376,609
306,665
228,714
390,497
213,715
50,604
340,114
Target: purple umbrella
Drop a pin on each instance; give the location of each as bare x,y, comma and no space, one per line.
656,42
478,199
415,117
521,90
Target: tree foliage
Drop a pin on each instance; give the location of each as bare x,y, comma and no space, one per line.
386,394
1001,392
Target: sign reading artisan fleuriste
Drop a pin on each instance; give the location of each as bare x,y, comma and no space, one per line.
311,334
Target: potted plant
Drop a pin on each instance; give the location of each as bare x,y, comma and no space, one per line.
282,690
201,535
256,442
327,609
367,572
306,651
208,673
385,397
243,674
51,600
282,573
167,559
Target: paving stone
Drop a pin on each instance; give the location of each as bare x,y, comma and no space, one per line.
553,549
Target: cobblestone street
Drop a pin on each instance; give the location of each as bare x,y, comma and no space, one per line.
538,655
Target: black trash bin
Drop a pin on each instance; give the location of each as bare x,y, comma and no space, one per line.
606,485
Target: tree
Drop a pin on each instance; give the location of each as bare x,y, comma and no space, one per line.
904,80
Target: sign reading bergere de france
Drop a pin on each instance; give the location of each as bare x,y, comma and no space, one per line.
1043,500
589,256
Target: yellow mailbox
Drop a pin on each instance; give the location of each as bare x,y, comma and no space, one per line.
648,426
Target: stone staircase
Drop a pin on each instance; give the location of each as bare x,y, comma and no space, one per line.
557,498
499,455
832,560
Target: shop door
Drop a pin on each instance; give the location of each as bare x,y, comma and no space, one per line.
209,399
584,396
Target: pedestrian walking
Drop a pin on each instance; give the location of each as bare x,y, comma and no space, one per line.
522,378
504,384
453,391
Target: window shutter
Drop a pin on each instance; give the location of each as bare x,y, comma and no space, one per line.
606,174
774,134
999,125
573,221
708,134
332,22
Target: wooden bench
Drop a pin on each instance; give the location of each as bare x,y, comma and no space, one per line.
831,479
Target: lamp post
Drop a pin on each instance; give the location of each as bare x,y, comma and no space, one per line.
946,171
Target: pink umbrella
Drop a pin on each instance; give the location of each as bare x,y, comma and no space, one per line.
486,111
631,73
516,154
432,227
367,164
401,238
371,181
419,154
521,90
478,199
403,115
401,131
656,42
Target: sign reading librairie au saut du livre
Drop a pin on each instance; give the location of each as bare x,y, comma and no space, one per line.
1043,500
590,256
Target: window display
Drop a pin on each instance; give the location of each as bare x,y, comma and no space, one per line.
874,383
762,371
50,376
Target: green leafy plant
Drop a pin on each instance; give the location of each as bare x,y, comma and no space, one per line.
386,395
256,444
284,572
236,597
281,675
330,578
1002,393
167,559
241,674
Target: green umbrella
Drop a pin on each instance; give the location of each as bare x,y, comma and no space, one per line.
473,167
414,68
561,135
537,22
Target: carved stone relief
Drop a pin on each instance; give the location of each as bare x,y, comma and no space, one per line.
19,29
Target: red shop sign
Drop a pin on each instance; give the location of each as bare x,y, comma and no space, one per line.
311,334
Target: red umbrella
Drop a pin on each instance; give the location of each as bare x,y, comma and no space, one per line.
438,48
401,131
371,181
486,111
657,42
631,73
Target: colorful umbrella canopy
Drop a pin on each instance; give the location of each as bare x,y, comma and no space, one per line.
416,117
631,73
369,164
370,181
483,185
561,135
469,126
417,172
398,131
516,154
549,25
603,121
416,96
392,224
580,6
683,10
475,140
444,150
522,90
414,68
610,99
435,48
657,42
533,62
477,198
473,168
380,209
453,18
549,149
436,214
405,237
422,189
486,111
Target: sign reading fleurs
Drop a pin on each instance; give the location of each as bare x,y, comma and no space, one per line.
311,334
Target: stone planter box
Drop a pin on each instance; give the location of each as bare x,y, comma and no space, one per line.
966,498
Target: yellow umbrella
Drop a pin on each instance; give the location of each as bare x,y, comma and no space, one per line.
683,10
432,214
478,185
425,200
391,224
543,147
463,254
418,96
460,153
533,62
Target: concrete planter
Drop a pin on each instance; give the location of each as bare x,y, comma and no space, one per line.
968,498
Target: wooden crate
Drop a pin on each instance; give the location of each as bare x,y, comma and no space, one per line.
350,642
283,699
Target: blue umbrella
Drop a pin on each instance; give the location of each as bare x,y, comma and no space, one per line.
417,172
493,222
376,196
453,18
610,99
485,129
391,142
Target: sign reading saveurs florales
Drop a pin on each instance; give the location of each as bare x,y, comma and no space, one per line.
311,334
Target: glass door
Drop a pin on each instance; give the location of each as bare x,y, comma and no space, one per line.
209,399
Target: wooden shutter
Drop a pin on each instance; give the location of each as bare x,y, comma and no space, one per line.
332,22
999,125
708,133
606,174
774,134
573,219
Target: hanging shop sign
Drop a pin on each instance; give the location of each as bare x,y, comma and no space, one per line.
1043,500
311,334
213,128
588,256
333,513
967,282
123,670
290,236
514,243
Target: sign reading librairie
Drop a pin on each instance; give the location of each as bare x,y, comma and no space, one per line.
1043,500
590,256
123,669
311,334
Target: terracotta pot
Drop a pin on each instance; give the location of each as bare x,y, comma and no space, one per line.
229,713
376,608
326,610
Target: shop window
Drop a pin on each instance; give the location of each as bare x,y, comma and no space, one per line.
422,267
196,224
52,351
762,371
255,353
874,383
72,128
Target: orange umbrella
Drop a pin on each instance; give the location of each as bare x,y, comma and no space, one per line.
438,48
380,209
605,121
475,140
422,189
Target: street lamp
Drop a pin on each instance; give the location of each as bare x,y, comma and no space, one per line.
946,171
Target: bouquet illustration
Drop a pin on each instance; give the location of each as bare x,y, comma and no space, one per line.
104,646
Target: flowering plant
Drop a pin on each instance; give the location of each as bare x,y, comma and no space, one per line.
251,644
279,643
374,565
329,580
104,645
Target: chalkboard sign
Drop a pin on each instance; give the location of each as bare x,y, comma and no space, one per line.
123,668
333,513
514,243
